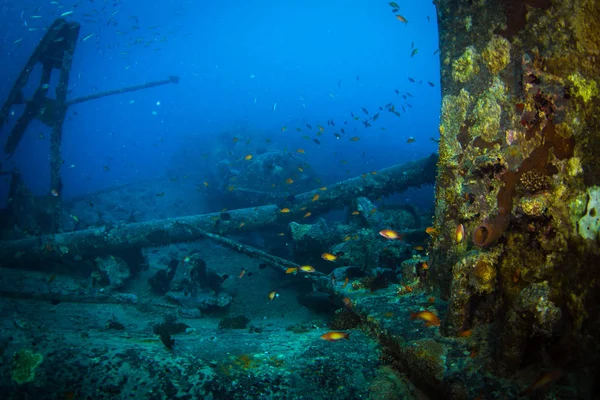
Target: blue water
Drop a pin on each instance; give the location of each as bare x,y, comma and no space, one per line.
236,60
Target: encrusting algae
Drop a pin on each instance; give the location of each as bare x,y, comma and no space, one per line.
496,54
465,67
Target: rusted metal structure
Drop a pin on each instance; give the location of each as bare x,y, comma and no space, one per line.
519,175
98,241
54,52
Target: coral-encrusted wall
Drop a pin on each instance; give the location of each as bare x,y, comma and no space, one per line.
519,168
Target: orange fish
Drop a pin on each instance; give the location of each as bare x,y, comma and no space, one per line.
516,276
241,275
205,184
431,299
335,336
323,188
431,231
281,234
321,128
230,188
328,257
248,157
390,234
543,381
374,173
355,237
430,318
300,169
425,266
301,151
235,139
401,19
345,283
373,211
241,225
354,139
410,140
273,294
355,212
308,214
52,278
465,333
419,248
307,268
347,302
283,128
315,197
347,238
407,288
460,233
289,181
291,270
284,210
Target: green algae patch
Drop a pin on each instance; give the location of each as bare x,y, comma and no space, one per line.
454,112
24,365
465,66
487,118
586,89
496,54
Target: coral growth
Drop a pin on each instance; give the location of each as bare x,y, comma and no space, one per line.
534,206
454,112
486,117
483,275
496,54
586,89
534,181
465,66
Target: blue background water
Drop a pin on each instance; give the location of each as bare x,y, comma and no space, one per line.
228,54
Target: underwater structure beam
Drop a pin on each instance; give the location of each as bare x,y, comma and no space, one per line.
54,52
103,241
171,80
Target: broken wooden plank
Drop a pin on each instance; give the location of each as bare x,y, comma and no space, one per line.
105,240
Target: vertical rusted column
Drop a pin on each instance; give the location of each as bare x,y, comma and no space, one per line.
61,107
518,169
